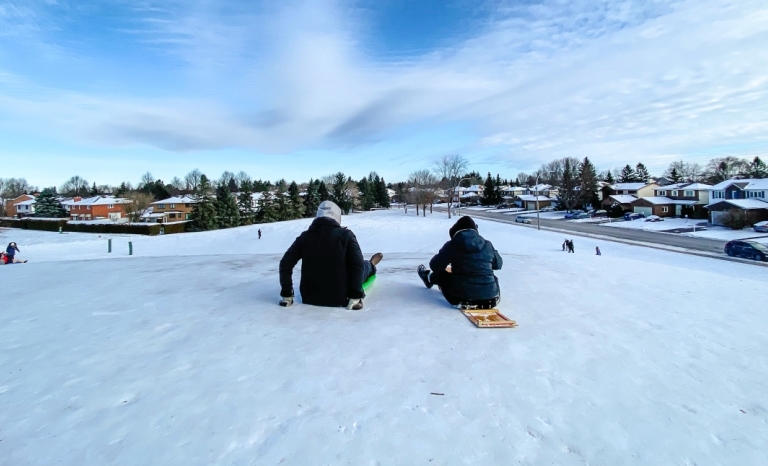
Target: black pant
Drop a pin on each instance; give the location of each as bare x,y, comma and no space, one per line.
369,270
442,279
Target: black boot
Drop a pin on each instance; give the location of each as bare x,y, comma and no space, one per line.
424,275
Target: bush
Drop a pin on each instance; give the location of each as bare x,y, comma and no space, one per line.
737,219
101,228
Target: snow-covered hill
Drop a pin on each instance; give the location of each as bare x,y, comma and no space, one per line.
180,355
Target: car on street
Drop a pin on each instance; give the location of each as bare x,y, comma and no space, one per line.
761,227
749,249
547,209
502,206
600,213
629,216
581,215
572,214
654,218
525,220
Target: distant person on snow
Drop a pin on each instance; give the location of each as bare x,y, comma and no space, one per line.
565,244
570,246
10,253
597,251
470,282
333,269
259,233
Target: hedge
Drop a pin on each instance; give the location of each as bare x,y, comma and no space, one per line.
103,228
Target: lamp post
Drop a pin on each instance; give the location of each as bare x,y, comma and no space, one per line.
458,196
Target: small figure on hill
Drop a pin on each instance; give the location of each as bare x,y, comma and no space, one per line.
570,245
470,282
10,253
565,244
333,269
597,251
259,233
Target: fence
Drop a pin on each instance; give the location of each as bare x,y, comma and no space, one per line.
64,225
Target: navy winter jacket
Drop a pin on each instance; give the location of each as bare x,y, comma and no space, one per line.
472,260
331,268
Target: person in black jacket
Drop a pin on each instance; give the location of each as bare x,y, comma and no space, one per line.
333,269
472,259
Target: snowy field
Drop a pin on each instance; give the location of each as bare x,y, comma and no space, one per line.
667,224
713,232
180,355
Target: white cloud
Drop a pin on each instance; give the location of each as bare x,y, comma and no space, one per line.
619,82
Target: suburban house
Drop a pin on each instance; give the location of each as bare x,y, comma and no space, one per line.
470,194
174,209
624,200
542,190
529,202
509,193
749,195
670,200
626,189
10,205
98,208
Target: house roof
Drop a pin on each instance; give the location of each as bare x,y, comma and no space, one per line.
683,186
100,200
748,183
661,200
623,198
746,204
185,199
530,197
629,186
27,202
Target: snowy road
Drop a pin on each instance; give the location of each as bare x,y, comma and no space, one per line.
173,357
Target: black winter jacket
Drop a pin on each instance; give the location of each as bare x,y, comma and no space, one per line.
331,268
472,260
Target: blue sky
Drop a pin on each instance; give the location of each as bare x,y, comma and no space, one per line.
110,89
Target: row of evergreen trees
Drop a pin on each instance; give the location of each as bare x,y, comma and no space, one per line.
219,207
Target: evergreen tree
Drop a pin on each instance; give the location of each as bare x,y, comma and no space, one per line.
312,199
366,197
226,207
340,194
46,205
627,175
267,208
322,192
94,190
204,210
488,197
382,195
674,176
232,185
121,190
609,178
295,201
641,173
498,194
587,184
245,203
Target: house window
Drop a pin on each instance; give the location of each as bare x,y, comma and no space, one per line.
111,206
674,193
173,206
187,205
688,193
664,209
161,206
662,193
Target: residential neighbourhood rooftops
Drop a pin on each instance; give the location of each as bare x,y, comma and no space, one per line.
623,198
743,184
685,186
177,200
100,200
746,204
629,186
661,200
530,197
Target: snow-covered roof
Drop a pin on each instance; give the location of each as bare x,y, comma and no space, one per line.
746,204
684,186
185,199
530,197
623,198
629,186
100,200
747,183
541,187
473,189
661,200
513,188
27,202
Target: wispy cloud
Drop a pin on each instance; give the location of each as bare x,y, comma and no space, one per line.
613,80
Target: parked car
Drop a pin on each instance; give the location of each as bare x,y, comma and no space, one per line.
748,249
573,213
654,218
581,215
525,220
629,216
761,227
547,209
502,206
438,201
600,213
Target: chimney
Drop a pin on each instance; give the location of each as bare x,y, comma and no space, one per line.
77,198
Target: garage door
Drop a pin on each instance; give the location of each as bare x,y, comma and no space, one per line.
647,211
716,218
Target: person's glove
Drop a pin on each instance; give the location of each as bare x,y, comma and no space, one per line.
286,301
355,304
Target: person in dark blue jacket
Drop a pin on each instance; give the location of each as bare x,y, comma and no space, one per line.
472,260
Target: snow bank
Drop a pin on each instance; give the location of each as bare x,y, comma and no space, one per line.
180,355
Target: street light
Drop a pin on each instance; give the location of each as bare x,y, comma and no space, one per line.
458,196
538,222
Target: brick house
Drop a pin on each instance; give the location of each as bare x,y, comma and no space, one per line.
637,190
174,209
672,200
97,208
529,202
10,205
